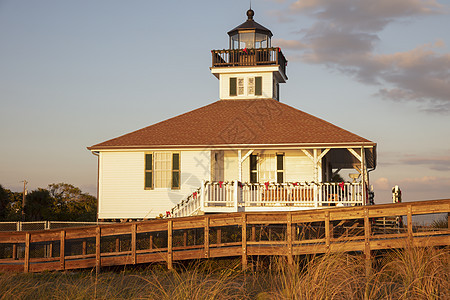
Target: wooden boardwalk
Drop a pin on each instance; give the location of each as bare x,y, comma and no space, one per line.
348,229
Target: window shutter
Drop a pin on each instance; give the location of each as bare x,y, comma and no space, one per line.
258,86
148,171
233,86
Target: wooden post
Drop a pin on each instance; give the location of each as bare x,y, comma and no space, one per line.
367,232
151,241
289,239
62,247
327,230
206,238
219,235
117,244
410,229
14,255
133,243
84,247
185,238
253,233
26,265
97,250
244,241
169,245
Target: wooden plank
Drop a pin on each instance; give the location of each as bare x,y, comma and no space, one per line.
189,254
45,236
26,263
152,226
80,233
151,257
268,250
81,264
226,252
169,245
133,243
62,251
327,229
367,251
206,237
244,241
47,266
16,268
289,239
409,226
116,260
226,220
97,249
272,218
14,254
12,237
118,229
188,223
312,216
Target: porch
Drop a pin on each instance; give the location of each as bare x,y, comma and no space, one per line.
236,196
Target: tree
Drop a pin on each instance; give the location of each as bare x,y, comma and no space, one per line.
71,204
38,206
4,201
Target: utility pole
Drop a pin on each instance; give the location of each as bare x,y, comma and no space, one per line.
24,199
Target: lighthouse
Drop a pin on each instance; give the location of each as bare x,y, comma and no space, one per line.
250,68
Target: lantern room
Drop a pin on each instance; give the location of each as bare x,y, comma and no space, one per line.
250,35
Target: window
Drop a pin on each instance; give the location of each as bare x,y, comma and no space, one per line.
233,86
267,167
148,171
162,170
176,170
280,167
253,168
258,86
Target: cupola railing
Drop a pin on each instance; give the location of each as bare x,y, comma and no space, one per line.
249,57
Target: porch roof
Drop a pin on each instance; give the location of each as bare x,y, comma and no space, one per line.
226,123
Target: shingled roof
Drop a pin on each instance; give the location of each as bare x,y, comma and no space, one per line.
237,122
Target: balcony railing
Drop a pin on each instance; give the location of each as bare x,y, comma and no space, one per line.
249,57
222,197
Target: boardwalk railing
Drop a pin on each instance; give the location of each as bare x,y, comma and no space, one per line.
223,235
223,197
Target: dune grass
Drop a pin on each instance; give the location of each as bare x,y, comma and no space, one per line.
411,273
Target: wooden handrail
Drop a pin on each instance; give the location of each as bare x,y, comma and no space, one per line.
315,225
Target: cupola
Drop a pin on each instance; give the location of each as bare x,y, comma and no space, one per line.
251,68
250,34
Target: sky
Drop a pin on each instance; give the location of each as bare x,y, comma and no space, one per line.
76,73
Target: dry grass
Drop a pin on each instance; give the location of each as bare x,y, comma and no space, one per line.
413,273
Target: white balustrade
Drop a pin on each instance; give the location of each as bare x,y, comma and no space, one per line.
235,196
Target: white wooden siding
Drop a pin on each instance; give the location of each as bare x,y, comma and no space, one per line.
121,184
267,85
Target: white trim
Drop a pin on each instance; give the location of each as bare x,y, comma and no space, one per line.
352,151
235,147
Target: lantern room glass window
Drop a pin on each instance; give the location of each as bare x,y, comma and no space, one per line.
249,40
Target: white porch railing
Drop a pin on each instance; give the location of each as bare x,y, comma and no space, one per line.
221,197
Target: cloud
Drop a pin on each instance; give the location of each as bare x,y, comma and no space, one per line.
382,184
438,163
414,188
344,37
366,15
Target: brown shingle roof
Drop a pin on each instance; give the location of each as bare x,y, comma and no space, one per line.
236,122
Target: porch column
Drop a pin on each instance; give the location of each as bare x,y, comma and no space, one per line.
363,175
240,165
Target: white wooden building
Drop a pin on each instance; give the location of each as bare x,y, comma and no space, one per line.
244,152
